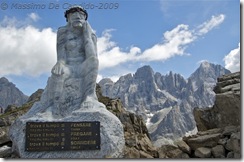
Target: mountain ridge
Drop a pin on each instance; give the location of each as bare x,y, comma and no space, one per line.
147,93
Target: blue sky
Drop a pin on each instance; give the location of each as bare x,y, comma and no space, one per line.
168,35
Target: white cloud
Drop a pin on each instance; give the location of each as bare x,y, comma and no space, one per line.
209,25
175,42
26,50
110,54
232,60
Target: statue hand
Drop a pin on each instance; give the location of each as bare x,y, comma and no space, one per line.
58,69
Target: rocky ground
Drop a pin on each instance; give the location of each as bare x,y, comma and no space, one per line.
213,143
215,138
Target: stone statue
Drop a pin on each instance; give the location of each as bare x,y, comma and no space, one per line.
77,52
76,70
70,95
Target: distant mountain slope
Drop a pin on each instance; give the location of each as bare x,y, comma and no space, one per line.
10,94
165,101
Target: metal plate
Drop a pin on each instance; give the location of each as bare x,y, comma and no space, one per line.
62,136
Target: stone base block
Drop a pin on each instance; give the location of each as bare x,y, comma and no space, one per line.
111,133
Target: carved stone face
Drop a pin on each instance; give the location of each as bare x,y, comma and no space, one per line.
77,18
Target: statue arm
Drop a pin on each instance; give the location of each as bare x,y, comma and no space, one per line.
94,40
59,67
90,41
61,56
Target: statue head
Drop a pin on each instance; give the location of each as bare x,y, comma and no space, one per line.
74,9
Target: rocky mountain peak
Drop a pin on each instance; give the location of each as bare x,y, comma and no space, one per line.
4,80
208,70
10,94
125,77
106,80
144,72
205,64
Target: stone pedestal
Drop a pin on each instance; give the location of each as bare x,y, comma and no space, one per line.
111,133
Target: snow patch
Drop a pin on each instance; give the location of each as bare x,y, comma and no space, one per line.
152,126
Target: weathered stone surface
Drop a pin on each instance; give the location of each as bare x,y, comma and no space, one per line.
218,151
183,146
228,130
210,131
5,151
132,153
223,141
204,141
221,146
227,105
4,135
203,152
171,151
185,156
144,155
36,96
10,108
230,155
136,135
237,155
204,118
162,151
233,144
175,154
162,154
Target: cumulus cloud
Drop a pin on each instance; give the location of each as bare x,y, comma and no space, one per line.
108,50
26,49
232,60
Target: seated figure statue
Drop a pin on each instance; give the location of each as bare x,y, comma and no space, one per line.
73,80
70,96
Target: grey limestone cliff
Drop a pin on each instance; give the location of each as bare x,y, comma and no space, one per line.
10,94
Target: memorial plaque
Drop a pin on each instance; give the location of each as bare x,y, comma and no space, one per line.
57,136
